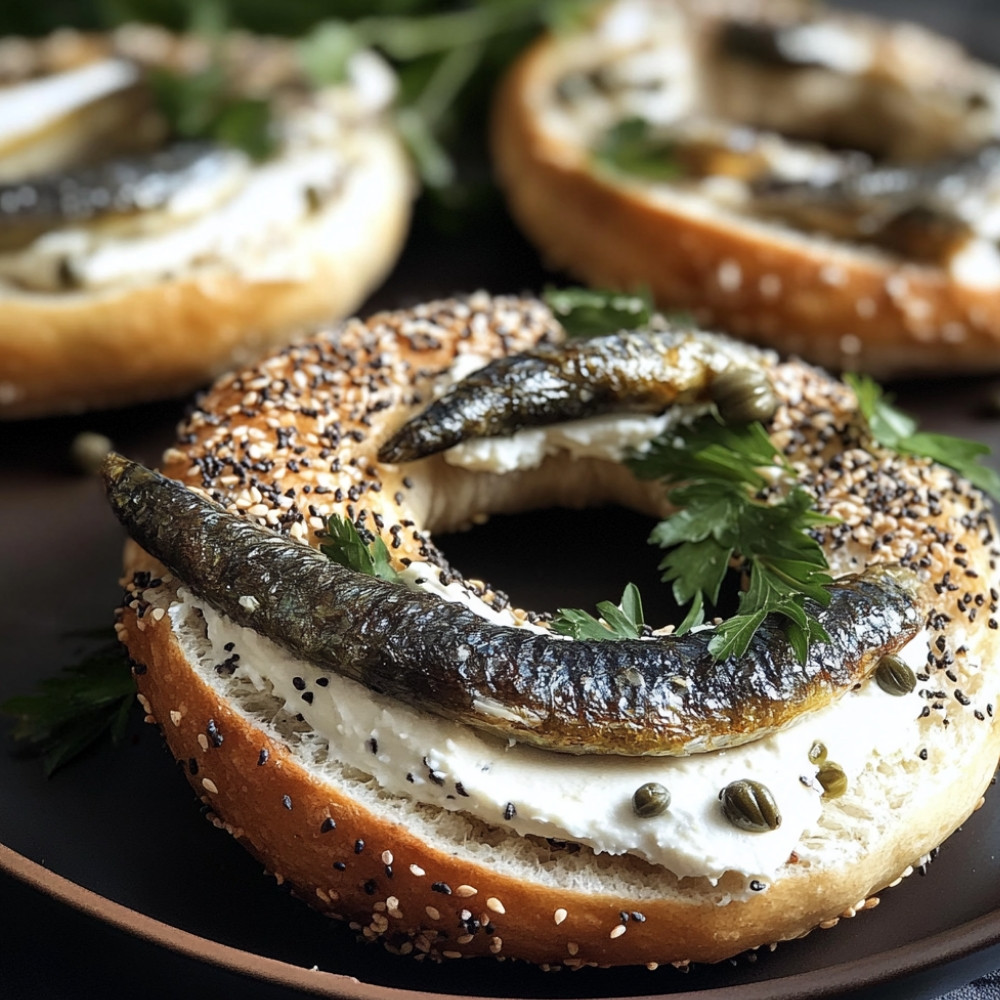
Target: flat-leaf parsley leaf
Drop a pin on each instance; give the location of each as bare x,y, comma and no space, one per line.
590,312
618,621
76,708
344,545
730,515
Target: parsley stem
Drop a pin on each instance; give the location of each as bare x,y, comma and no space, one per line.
446,82
407,38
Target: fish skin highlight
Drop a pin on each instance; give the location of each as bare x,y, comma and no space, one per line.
663,696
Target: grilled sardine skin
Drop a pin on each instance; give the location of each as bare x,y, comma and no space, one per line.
117,188
634,371
664,696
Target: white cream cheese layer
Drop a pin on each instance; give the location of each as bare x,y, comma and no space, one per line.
253,218
32,106
608,437
586,799
244,230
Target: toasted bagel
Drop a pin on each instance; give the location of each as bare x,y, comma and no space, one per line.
441,841
102,309
697,150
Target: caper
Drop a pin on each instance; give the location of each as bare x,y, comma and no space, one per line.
742,395
831,776
650,799
817,753
894,676
749,805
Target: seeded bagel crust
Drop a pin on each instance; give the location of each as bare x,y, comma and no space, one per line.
155,337
442,883
839,304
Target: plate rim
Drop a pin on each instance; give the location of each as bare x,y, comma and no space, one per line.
920,956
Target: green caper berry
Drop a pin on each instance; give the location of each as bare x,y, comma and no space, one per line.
742,395
817,753
831,776
749,805
894,677
650,799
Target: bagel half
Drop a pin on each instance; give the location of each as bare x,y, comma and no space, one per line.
697,237
97,314
403,860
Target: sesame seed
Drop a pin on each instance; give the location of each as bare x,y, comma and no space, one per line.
618,931
433,912
495,905
209,786
560,915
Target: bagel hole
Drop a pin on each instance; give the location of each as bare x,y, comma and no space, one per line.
555,558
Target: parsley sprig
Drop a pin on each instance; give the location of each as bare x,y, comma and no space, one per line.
730,515
344,545
590,312
633,147
623,620
204,104
71,711
898,431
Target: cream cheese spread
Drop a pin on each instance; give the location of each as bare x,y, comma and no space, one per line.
585,799
253,218
245,228
30,107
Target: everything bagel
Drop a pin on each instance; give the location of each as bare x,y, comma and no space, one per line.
815,180
436,834
137,264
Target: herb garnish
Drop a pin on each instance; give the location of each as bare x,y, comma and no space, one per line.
200,106
618,621
344,545
74,709
632,147
446,62
731,515
590,312
896,430
204,105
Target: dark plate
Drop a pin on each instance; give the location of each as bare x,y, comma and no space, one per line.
158,898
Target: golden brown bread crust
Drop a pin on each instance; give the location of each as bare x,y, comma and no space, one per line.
406,890
313,416
837,305
157,336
